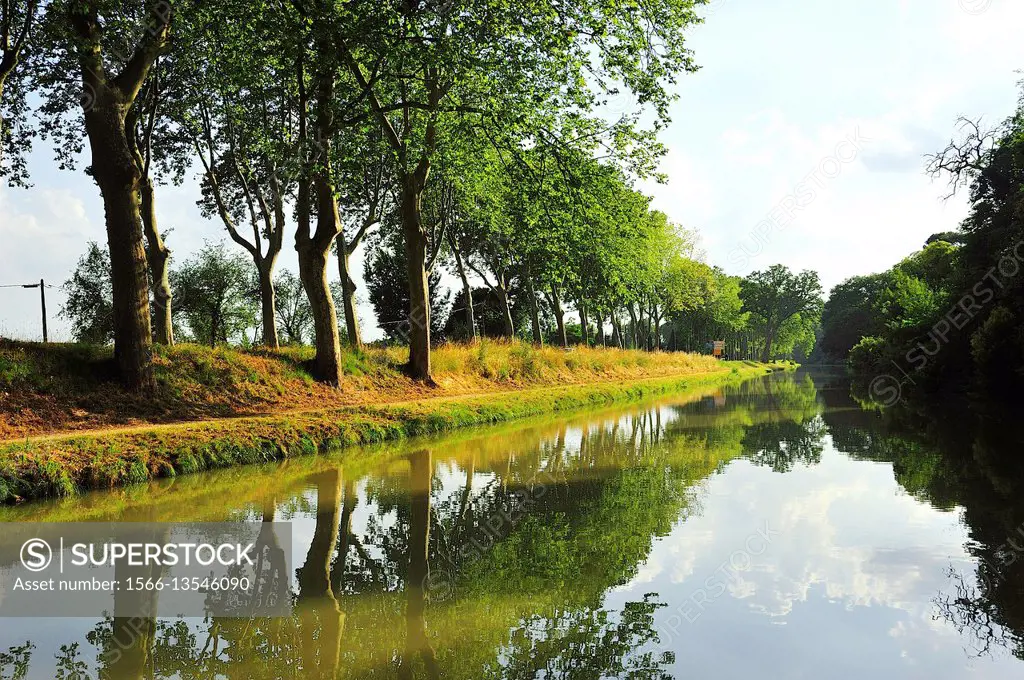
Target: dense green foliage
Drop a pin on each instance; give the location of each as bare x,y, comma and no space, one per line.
951,315
784,306
213,290
89,305
466,136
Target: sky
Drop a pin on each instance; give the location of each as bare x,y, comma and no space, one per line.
800,141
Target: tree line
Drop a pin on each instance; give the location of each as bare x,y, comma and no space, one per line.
951,315
468,136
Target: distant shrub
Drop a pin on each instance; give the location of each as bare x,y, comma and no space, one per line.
867,356
997,349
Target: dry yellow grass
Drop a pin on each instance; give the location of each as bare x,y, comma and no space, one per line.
516,362
46,389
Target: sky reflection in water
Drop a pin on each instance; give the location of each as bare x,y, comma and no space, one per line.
772,529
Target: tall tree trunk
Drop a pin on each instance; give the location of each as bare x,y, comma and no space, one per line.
313,257
644,333
563,338
348,297
268,302
315,250
766,354
633,329
657,327
419,294
538,338
115,172
599,338
157,257
467,290
313,254
584,323
501,291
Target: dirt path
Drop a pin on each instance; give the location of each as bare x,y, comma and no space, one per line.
158,427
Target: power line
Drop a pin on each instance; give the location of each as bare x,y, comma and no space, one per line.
25,285
42,299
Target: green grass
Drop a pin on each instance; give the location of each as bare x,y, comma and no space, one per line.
65,465
53,388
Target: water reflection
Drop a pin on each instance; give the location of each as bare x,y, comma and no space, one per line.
966,459
595,548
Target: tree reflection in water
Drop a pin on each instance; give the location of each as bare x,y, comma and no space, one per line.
960,457
489,555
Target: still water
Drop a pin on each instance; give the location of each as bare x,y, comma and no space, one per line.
773,529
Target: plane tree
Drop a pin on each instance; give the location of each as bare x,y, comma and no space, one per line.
108,49
366,194
235,115
775,295
17,19
505,66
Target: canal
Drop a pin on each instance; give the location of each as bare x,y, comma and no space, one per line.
773,529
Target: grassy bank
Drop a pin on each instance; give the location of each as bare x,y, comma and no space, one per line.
66,464
57,388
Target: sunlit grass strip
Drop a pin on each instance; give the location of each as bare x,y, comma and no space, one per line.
65,466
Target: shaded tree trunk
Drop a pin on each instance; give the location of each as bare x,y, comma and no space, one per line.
315,250
268,303
348,295
538,338
644,332
270,212
634,329
118,179
415,239
140,142
118,176
313,257
556,303
157,258
656,317
501,291
769,338
584,323
467,289
411,184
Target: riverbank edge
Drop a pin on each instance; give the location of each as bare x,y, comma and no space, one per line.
68,465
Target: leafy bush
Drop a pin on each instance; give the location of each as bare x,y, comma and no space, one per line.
998,349
868,355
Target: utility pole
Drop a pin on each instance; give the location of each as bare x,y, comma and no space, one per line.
42,301
42,304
